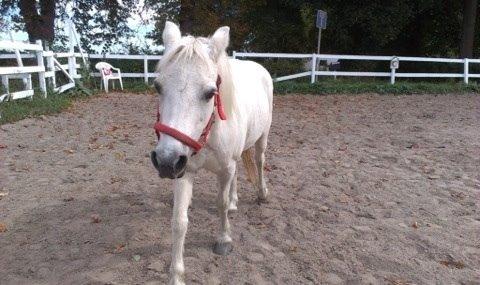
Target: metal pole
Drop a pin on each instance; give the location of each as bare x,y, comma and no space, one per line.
319,40
317,62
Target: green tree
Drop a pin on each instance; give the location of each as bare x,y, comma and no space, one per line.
99,22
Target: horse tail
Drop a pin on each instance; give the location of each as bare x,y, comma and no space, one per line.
247,158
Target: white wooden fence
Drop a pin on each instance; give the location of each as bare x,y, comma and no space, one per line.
145,58
395,65
48,70
46,65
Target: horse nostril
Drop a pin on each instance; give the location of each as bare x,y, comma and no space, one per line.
181,163
153,157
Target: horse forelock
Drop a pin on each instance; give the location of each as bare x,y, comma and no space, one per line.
189,49
192,50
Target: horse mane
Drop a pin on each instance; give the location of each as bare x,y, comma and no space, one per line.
192,49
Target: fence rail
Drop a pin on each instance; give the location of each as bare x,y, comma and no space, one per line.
52,65
393,60
315,58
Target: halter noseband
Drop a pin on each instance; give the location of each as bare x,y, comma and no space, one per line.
196,145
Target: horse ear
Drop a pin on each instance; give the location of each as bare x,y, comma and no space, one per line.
219,42
171,34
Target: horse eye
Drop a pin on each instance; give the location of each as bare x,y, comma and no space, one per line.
158,87
209,94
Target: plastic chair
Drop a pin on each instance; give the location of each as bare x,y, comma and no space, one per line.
107,73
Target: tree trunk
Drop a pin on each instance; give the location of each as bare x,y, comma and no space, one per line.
468,31
186,16
39,26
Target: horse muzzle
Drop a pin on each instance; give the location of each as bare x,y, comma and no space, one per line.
169,166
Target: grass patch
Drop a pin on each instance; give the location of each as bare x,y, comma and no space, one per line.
16,110
24,108
357,87
135,87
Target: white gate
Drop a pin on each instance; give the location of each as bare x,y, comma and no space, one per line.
47,65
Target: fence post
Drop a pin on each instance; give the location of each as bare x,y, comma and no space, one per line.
392,75
50,67
145,69
314,63
5,84
41,74
72,62
234,55
465,70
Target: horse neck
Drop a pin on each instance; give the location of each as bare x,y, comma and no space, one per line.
227,91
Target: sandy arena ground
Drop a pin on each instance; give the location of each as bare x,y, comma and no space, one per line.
365,189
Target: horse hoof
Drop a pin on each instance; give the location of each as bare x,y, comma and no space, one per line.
261,200
222,248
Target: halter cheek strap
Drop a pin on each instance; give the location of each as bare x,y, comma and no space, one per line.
196,145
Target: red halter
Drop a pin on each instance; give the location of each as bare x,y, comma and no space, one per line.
196,145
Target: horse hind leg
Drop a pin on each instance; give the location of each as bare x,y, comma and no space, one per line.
260,147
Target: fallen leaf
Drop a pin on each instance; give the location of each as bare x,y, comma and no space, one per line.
3,194
324,208
113,128
69,151
119,155
136,257
119,248
452,263
3,146
261,225
343,199
415,225
293,248
95,219
3,228
94,146
413,146
116,179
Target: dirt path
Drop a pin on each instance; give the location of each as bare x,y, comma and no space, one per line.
365,190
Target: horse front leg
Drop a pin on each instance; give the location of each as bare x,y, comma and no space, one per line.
223,245
233,194
182,197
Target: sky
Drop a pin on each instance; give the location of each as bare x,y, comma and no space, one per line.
141,24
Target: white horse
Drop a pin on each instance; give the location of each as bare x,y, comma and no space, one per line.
196,130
